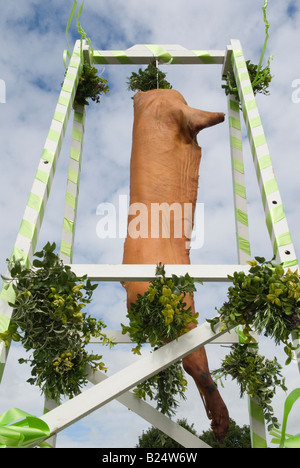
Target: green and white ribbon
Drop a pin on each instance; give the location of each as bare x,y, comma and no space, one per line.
83,34
275,216
16,433
257,424
239,185
165,54
70,212
256,415
33,216
26,241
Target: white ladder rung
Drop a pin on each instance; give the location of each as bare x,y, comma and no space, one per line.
118,337
93,398
133,272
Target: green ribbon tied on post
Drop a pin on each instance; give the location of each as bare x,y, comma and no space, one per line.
66,52
80,31
19,429
242,337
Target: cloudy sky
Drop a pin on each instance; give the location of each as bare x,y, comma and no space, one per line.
32,44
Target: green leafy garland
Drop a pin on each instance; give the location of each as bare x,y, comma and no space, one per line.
159,316
90,86
266,300
150,78
257,376
260,80
48,320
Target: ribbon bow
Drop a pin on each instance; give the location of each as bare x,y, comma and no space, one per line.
281,438
21,434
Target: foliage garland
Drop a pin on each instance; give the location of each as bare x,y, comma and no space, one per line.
150,78
48,320
257,376
260,80
90,86
160,315
266,300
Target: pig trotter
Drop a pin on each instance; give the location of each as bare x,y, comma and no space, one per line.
215,407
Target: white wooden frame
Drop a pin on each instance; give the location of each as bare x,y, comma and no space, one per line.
122,381
136,272
118,385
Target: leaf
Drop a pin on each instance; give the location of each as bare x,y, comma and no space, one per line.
39,254
37,263
260,259
22,361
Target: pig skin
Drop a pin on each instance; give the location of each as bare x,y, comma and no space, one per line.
164,167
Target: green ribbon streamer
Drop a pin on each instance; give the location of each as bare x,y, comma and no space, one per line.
81,32
257,79
286,440
66,52
24,433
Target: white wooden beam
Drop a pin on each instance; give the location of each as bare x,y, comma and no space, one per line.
118,337
165,53
152,415
125,272
93,398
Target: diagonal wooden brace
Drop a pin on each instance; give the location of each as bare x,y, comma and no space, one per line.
68,413
152,415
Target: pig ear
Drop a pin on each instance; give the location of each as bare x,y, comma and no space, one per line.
197,120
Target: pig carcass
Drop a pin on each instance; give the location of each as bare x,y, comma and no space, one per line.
164,171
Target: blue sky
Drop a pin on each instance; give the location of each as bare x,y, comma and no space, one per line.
33,40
